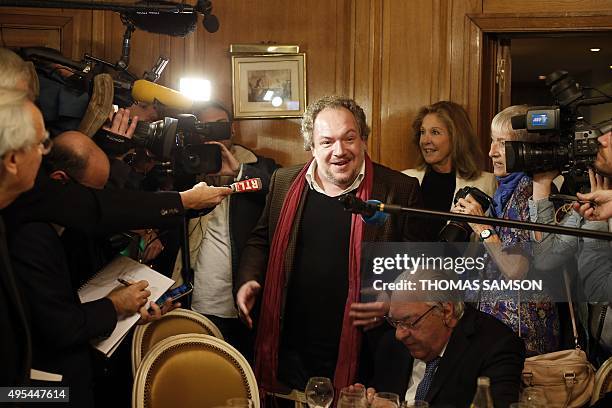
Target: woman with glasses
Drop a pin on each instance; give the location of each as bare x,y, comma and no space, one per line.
535,320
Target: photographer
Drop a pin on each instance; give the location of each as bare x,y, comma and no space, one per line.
537,320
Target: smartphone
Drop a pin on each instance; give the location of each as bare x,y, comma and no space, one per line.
175,293
568,199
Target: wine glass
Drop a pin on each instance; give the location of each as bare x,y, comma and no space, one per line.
385,400
415,404
534,397
319,392
353,396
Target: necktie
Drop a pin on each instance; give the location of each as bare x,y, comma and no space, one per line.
430,370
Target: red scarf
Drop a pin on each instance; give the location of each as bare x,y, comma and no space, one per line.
268,331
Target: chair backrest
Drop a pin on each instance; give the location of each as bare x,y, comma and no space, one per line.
603,381
193,371
178,321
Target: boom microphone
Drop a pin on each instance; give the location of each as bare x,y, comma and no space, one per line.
146,91
372,216
176,23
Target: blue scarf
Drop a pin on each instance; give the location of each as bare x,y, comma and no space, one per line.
506,187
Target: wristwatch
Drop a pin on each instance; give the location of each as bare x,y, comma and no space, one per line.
484,234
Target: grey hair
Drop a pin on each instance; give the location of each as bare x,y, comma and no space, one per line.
502,122
12,69
432,297
333,102
16,123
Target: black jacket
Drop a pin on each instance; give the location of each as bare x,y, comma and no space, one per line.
480,345
61,326
15,347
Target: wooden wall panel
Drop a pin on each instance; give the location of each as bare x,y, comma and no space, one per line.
545,6
392,56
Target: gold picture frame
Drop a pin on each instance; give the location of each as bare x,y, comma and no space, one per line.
269,85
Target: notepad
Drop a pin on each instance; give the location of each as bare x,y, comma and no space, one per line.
103,282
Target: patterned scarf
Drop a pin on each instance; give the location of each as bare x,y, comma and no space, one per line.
506,187
268,332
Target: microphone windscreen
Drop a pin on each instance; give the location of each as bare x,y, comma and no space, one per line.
519,122
211,23
167,23
146,91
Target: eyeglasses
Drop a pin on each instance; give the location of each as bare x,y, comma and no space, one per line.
405,324
46,144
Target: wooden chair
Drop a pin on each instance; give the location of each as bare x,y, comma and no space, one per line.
193,371
178,321
603,381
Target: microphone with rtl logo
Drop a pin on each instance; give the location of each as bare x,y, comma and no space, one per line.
246,186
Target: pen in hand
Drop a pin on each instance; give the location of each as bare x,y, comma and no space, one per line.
123,282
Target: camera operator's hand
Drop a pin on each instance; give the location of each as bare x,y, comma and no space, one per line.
203,196
470,206
542,184
121,124
229,165
129,299
245,300
600,194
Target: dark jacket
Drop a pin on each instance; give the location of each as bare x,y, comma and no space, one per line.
480,345
389,186
15,341
61,326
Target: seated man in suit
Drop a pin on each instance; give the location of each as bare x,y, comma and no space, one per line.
442,346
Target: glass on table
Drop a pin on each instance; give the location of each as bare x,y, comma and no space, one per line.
353,396
385,400
239,402
319,392
415,404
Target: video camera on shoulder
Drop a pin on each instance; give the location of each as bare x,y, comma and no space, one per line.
456,231
574,145
181,143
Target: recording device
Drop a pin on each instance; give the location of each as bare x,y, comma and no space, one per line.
175,294
456,231
574,144
149,92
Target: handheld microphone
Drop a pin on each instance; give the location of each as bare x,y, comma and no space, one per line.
246,186
372,216
146,91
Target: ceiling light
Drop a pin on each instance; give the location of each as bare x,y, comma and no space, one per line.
595,49
541,77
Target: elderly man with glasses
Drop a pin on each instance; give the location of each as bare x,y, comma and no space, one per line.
23,141
441,346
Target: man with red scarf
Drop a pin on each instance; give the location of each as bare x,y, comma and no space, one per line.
303,257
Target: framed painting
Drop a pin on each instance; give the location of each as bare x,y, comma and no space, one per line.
269,85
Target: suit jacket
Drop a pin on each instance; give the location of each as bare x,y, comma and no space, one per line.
61,326
389,186
480,345
94,211
15,340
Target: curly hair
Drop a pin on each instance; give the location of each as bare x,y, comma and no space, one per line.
333,102
465,152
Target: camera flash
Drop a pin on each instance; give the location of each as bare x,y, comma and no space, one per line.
195,89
